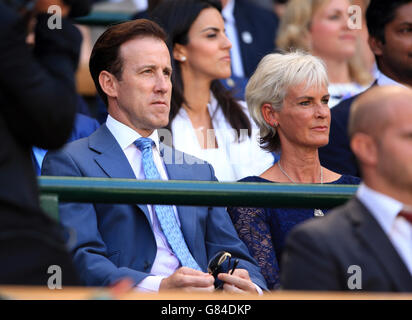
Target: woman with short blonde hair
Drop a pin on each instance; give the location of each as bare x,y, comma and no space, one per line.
287,97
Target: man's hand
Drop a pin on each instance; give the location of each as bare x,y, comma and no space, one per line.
238,282
189,280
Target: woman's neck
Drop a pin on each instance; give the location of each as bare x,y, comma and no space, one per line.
338,71
197,97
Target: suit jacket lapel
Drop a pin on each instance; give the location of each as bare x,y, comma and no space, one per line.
111,158
371,233
177,169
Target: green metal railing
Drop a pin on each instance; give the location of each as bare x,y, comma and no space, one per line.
103,18
193,193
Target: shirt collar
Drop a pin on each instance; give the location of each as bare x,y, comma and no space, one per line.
227,11
384,208
383,80
125,135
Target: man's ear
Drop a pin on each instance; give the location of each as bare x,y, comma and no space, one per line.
365,149
375,45
108,83
179,52
269,115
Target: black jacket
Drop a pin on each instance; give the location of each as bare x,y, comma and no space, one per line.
319,253
37,107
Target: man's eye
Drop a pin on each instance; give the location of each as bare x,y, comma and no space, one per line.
325,101
304,103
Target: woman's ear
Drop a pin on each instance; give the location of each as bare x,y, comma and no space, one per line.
375,45
108,83
270,115
179,52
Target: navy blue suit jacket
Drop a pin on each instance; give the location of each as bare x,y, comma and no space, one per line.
337,155
114,241
319,252
262,25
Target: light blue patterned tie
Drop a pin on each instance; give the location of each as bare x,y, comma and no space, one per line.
165,213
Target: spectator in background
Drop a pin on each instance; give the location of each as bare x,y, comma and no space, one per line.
205,120
83,127
251,29
390,39
288,98
321,28
366,54
37,108
84,124
279,7
366,243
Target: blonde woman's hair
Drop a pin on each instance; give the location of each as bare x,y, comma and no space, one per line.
274,75
294,33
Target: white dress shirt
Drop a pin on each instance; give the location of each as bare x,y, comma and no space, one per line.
383,80
165,262
385,210
342,91
231,32
231,160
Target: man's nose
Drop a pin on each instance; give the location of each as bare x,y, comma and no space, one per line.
163,83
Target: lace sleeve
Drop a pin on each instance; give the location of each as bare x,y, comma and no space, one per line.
253,229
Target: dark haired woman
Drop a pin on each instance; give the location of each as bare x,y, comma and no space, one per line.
205,120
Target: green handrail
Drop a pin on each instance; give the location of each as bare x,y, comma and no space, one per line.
195,193
103,18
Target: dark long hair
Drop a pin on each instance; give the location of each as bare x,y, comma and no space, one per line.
176,17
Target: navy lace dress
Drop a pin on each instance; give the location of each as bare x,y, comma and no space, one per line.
264,230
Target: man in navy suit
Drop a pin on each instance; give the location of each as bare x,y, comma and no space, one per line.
366,243
389,24
255,32
131,67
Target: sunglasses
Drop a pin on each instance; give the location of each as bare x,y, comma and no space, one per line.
217,265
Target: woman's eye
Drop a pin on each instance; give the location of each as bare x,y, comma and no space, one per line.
211,35
334,17
405,30
304,103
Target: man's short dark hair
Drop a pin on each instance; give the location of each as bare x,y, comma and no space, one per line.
379,14
105,53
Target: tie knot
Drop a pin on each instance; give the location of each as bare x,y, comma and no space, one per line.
144,143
